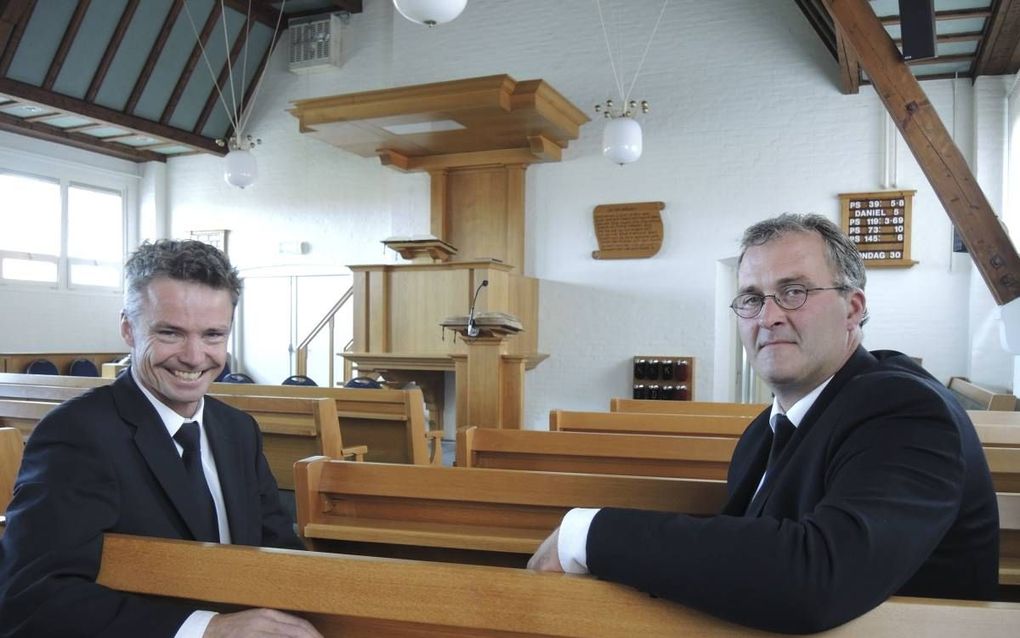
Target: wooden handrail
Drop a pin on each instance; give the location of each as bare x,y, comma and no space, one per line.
327,320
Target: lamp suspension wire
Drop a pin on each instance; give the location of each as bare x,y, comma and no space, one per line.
238,120
612,64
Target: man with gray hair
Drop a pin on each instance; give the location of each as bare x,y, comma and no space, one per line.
151,455
864,479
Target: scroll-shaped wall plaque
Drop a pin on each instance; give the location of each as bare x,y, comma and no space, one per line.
628,231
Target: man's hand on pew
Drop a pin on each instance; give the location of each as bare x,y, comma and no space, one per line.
547,557
260,622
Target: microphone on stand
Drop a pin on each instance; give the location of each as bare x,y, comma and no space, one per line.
472,328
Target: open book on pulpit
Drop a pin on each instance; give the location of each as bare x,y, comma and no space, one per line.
488,323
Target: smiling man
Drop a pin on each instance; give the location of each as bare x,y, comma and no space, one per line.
150,455
864,478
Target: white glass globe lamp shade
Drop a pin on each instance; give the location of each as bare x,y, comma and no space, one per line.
621,140
241,169
430,12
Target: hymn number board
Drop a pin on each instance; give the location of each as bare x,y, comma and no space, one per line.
879,224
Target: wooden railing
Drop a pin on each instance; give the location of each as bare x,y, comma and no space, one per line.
329,320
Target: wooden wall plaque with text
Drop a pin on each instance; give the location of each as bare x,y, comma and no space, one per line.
879,224
628,231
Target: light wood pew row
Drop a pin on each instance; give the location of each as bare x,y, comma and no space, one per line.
294,429
637,423
466,514
629,454
17,362
49,393
360,597
53,379
1009,544
11,447
973,397
390,422
717,408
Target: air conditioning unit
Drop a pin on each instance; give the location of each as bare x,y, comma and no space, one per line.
314,43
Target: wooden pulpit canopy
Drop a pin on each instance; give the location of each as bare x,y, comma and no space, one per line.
470,122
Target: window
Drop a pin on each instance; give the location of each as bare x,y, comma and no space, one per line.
60,233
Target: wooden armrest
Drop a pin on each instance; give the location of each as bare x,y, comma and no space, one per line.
357,451
436,436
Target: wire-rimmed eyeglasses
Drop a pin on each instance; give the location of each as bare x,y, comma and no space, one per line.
790,297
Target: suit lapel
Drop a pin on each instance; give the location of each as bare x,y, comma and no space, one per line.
859,361
227,452
156,447
750,459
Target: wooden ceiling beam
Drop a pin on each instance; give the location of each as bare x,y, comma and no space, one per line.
49,133
70,33
197,52
154,53
952,38
932,146
68,104
221,79
259,11
13,21
999,53
941,59
849,65
111,49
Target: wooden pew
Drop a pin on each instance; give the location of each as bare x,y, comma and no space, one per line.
53,380
634,423
17,362
11,447
358,597
637,454
717,408
23,415
973,397
466,514
293,429
390,422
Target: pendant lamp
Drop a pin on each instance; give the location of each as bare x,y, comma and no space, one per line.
621,140
430,12
240,168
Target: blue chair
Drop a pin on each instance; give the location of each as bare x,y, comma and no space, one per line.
83,368
298,379
363,382
225,372
42,366
236,377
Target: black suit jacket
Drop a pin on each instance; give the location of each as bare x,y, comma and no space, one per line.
104,462
883,490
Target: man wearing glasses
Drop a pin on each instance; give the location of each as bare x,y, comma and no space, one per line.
864,479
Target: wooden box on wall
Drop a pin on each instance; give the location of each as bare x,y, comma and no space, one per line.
663,377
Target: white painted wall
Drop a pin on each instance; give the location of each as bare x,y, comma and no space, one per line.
736,133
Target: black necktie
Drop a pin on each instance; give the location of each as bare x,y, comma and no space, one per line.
784,432
207,526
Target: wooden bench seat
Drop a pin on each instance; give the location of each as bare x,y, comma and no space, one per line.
360,597
637,454
501,515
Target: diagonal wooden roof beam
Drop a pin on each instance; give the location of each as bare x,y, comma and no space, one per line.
154,53
849,65
13,21
932,146
69,104
1000,50
220,82
260,11
111,50
65,44
189,67
942,16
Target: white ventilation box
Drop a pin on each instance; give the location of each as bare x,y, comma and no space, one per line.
314,43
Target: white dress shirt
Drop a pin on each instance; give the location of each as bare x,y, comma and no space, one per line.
195,625
572,543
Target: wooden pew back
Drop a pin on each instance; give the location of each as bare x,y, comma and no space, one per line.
11,448
718,408
17,362
637,454
53,379
360,597
1009,540
23,415
397,508
634,423
973,397
391,423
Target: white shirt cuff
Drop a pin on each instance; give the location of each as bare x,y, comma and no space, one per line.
195,625
572,545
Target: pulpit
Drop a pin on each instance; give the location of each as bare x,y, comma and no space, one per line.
490,380
475,138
